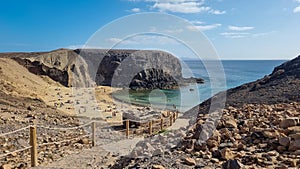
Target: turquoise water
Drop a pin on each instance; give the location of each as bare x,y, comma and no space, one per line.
218,76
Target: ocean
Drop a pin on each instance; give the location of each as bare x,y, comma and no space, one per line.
218,76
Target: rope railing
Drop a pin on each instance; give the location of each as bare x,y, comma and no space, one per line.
15,131
152,123
16,151
69,128
33,139
62,141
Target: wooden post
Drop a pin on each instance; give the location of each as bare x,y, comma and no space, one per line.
161,123
33,144
174,117
93,133
127,128
171,120
150,127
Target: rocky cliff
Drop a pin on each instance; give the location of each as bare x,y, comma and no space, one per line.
139,69
136,69
62,65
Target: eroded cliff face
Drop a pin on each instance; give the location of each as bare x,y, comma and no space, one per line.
136,69
64,66
139,69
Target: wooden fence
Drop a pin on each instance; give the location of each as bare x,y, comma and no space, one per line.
151,127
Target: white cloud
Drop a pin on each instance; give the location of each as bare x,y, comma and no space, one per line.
172,31
297,9
217,12
263,34
235,35
203,27
181,6
240,28
135,10
297,1
196,22
114,40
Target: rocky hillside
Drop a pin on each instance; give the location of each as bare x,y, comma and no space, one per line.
258,128
265,124
248,137
25,99
281,86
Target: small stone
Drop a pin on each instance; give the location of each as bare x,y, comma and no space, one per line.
237,137
149,147
294,145
270,135
84,141
284,141
294,129
281,167
295,136
223,145
232,164
226,154
241,146
157,152
281,148
158,167
289,122
230,123
291,162
214,160
6,166
189,161
273,153
212,143
263,145
297,152
14,154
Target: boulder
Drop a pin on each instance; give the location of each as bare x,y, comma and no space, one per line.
227,154
284,141
294,145
189,161
212,143
158,167
232,164
230,123
289,122
84,141
6,166
270,134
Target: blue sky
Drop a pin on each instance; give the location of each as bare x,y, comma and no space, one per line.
238,29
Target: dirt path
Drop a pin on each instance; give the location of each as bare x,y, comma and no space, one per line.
95,157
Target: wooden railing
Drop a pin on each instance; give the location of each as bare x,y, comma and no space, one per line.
152,126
